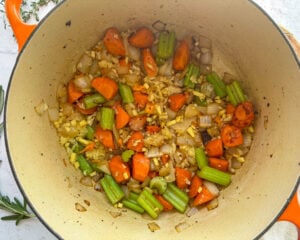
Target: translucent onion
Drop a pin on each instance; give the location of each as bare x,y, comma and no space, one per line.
83,82
166,69
166,148
213,204
86,181
212,188
205,121
133,53
207,89
84,64
192,211
41,107
191,111
247,140
206,58
153,152
53,114
213,108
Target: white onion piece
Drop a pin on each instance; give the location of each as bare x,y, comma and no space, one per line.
207,89
182,126
166,69
206,58
84,64
153,152
67,109
192,211
166,148
134,53
205,121
212,204
185,140
171,114
213,108
53,114
41,107
82,82
86,181
247,140
191,111
212,188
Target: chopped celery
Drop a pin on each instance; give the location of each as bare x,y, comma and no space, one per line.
90,132
127,154
200,157
107,118
191,76
133,205
235,93
84,165
112,189
126,93
165,48
215,175
219,86
158,183
151,205
93,100
176,197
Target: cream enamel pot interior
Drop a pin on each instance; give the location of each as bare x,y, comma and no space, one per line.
245,42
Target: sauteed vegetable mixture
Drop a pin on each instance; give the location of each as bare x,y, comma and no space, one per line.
150,124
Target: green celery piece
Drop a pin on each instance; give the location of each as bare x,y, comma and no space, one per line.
93,100
151,205
219,86
84,165
176,197
215,176
126,93
200,157
107,118
165,49
90,132
239,92
127,154
158,183
232,97
112,189
133,205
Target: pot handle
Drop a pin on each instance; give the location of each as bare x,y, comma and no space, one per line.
21,30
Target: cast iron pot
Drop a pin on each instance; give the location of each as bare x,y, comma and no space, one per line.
245,42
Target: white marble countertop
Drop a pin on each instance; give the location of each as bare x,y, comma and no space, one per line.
284,12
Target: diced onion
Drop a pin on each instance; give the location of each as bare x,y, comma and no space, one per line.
83,82
84,64
213,108
41,107
206,58
212,204
205,121
153,152
86,181
53,114
166,148
192,211
212,188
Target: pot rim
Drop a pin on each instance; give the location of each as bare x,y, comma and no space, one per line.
40,218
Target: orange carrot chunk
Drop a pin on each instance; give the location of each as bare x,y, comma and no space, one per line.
142,38
88,147
230,108
136,141
243,115
183,177
231,136
214,148
181,56
203,197
153,128
195,187
140,167
176,101
149,63
219,164
140,99
107,87
73,93
122,117
105,137
119,169
113,42
167,206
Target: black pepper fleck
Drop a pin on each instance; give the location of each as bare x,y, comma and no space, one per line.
68,23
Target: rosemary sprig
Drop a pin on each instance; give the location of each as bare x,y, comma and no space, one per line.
19,210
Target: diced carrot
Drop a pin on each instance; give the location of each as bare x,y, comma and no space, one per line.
124,63
219,164
153,128
231,136
214,148
165,158
203,197
119,169
122,117
176,101
142,38
88,147
139,88
107,87
195,187
105,137
243,115
149,63
150,108
183,177
230,108
113,42
137,123
73,93
140,167
167,206
136,141
181,56
140,99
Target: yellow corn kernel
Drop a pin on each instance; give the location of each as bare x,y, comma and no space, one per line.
190,131
83,141
73,157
